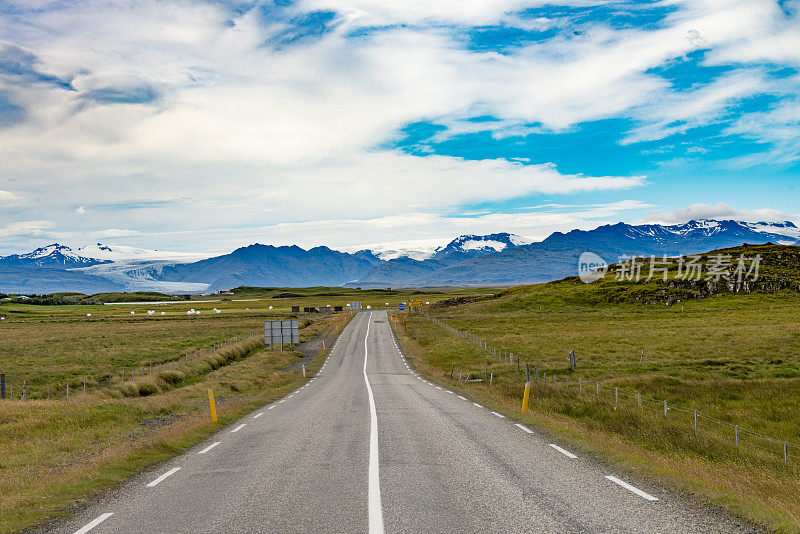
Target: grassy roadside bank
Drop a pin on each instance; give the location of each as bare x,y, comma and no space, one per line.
58,454
753,486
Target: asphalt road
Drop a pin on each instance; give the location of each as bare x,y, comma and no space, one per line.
367,445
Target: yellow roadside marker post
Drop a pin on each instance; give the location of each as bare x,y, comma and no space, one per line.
213,405
323,344
525,397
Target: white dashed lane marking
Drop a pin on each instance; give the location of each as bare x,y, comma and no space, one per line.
162,477
209,447
563,451
633,489
89,526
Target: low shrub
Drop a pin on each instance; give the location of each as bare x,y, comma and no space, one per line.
129,390
147,388
172,378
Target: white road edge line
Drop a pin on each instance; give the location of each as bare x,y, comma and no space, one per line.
524,428
633,489
476,404
562,451
209,447
501,416
256,416
162,477
271,407
89,526
238,428
462,398
375,510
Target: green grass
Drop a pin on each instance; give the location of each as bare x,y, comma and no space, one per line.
733,357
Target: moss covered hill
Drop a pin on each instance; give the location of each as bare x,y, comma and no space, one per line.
763,269
737,270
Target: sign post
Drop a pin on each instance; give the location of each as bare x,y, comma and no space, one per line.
213,405
281,332
526,397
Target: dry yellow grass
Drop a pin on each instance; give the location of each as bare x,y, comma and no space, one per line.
58,453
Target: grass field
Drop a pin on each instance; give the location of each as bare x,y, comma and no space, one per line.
56,453
48,346
734,357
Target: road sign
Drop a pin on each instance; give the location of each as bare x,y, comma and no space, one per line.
280,332
354,306
401,306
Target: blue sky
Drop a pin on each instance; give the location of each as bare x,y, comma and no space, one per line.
202,126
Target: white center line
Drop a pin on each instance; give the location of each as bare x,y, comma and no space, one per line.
525,428
375,510
563,451
89,526
499,415
259,414
238,428
162,477
628,487
476,404
209,447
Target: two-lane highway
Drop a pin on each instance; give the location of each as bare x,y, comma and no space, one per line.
367,445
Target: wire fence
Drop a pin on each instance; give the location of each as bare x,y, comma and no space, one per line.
108,380
662,410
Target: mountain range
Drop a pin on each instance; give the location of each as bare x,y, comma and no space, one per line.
469,260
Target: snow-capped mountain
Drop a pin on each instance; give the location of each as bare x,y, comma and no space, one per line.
557,255
787,229
779,232
477,245
468,260
53,256
429,248
417,249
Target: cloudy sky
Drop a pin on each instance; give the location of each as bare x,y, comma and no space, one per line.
203,126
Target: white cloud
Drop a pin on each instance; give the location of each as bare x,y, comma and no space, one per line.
718,211
365,13
242,135
80,210
7,198
26,229
777,128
